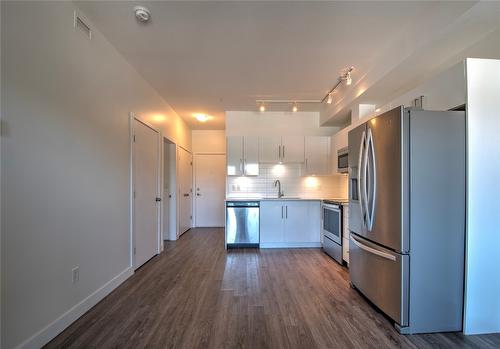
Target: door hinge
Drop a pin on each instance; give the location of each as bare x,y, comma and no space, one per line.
191,163
134,250
134,138
191,217
134,194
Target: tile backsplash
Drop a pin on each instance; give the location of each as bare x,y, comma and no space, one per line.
292,183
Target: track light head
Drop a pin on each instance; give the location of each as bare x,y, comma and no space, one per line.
348,78
329,99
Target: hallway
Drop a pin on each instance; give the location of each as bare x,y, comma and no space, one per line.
196,295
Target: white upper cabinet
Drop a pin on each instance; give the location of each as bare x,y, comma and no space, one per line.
270,149
292,149
234,156
251,156
289,149
242,156
317,152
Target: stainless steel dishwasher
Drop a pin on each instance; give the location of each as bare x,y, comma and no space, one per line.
242,224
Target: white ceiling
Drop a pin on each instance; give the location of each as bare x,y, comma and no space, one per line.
208,57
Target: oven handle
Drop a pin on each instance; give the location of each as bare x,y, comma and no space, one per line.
372,250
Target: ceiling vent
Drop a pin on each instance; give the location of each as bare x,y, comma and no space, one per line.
80,24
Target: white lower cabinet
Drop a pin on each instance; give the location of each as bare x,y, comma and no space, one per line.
290,223
271,222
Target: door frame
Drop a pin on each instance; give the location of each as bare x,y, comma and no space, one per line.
177,154
159,183
195,184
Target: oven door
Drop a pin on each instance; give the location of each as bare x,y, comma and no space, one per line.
332,222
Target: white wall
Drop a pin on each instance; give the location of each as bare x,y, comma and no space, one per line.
65,167
444,91
482,291
249,123
208,141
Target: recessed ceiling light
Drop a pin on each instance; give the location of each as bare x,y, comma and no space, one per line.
201,117
142,14
377,110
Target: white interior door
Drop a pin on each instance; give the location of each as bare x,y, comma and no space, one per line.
146,189
185,178
209,189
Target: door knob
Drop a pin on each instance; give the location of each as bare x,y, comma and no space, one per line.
186,195
158,199
198,194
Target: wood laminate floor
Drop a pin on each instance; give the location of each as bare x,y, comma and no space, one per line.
197,295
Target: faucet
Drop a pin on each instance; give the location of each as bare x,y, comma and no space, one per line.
278,184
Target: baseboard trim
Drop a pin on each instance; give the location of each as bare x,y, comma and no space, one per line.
290,244
48,333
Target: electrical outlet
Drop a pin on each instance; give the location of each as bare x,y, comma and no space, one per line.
75,274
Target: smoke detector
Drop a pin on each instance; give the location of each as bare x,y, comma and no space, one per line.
142,14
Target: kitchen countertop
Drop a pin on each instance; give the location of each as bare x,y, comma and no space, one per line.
342,201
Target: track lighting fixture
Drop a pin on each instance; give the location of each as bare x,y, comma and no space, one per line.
346,76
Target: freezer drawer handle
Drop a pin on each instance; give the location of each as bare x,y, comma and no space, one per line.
372,250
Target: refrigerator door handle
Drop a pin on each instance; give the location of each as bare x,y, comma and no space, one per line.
373,250
364,204
373,173
360,179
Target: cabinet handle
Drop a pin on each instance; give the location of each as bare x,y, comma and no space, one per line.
283,151
241,166
307,164
279,152
286,212
281,212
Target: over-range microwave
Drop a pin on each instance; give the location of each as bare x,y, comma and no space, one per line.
342,160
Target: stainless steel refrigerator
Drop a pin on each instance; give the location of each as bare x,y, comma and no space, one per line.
407,216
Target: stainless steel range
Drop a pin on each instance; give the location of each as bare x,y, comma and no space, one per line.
332,229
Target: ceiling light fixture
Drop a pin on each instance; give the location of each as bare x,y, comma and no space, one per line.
142,14
329,99
201,117
295,108
262,107
346,76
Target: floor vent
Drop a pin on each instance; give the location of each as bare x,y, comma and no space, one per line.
79,23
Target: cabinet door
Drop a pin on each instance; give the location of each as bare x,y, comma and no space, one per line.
234,156
317,151
302,221
292,149
270,149
251,156
271,221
